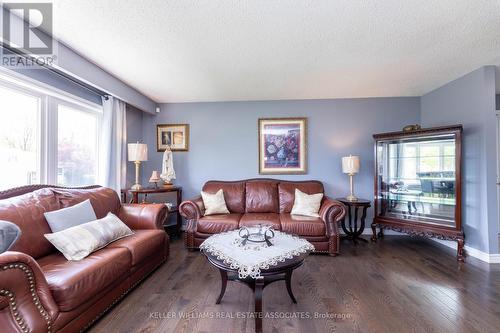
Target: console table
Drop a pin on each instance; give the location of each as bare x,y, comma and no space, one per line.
162,189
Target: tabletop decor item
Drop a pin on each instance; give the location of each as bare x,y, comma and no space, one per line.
155,178
350,166
282,145
174,136
264,234
167,168
137,153
410,128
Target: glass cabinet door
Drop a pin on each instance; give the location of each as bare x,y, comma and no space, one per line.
416,179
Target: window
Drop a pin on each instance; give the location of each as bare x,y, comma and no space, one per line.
449,157
77,154
409,167
46,136
429,158
19,137
410,159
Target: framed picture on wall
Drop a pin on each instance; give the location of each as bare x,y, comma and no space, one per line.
282,145
174,135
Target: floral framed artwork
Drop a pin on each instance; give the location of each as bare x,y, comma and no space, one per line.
174,135
282,145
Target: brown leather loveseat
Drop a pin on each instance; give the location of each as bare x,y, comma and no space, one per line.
265,201
41,291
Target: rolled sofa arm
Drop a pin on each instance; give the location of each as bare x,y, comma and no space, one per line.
26,303
143,216
192,209
332,211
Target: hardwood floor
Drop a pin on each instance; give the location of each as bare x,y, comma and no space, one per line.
399,284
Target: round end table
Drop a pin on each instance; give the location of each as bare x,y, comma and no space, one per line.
353,231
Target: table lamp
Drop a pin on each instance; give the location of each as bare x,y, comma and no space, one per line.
137,153
155,178
350,166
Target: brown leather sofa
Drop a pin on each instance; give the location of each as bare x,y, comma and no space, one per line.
265,201
41,291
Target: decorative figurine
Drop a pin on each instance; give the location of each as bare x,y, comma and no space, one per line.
167,170
411,128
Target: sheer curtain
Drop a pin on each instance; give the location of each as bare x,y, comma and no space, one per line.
113,152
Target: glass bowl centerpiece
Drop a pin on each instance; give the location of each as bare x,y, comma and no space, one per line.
262,234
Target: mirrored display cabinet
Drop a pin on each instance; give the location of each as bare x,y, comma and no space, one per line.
418,185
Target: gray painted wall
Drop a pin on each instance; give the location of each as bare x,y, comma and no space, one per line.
498,99
470,101
224,141
223,138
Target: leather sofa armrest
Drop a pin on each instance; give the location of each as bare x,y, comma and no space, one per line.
143,216
24,289
192,209
332,211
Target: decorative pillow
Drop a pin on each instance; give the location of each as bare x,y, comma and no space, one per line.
71,216
77,242
214,203
306,204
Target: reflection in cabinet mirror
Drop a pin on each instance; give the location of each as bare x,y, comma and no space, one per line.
417,183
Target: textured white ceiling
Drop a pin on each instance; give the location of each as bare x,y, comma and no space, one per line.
219,50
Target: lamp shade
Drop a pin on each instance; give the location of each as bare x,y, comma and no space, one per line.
155,177
350,164
137,152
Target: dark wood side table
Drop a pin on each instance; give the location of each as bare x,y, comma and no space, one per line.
353,230
161,189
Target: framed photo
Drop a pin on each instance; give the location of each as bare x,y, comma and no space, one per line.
174,135
282,146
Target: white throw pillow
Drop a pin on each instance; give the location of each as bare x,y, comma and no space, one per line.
307,204
214,203
65,218
77,242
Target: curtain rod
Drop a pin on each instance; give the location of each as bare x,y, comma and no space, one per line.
59,72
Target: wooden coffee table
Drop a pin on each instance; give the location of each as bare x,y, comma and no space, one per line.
282,271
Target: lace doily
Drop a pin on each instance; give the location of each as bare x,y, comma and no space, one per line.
250,258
